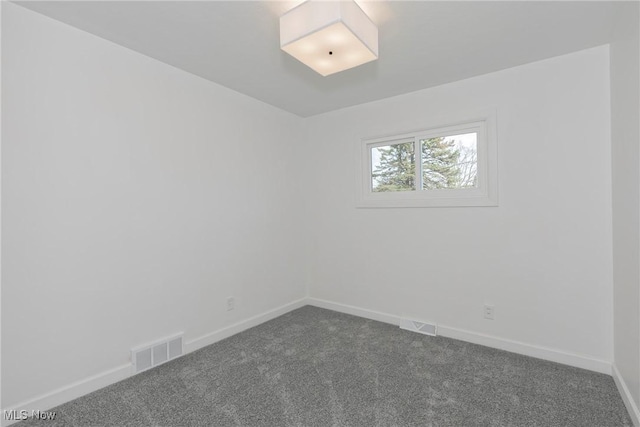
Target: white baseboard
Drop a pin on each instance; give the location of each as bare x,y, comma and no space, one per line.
70,392
80,388
355,311
228,331
539,352
88,385
632,408
559,356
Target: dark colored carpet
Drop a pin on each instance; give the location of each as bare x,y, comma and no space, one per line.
315,367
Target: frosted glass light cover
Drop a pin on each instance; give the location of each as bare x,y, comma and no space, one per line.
329,36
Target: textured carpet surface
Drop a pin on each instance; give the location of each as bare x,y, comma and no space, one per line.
314,367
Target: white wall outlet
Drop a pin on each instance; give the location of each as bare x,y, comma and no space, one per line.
231,303
489,312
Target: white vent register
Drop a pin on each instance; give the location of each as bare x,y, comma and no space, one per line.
149,355
419,327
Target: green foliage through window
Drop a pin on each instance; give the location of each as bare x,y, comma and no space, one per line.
447,163
395,168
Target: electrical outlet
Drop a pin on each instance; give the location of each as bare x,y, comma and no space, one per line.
231,303
489,311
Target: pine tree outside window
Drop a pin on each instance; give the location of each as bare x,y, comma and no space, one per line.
444,166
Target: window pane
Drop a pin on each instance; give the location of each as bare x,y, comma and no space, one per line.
393,168
450,161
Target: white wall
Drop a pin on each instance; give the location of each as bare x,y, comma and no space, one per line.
136,198
1,8
625,140
543,257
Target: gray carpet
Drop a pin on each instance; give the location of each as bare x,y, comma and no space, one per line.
315,367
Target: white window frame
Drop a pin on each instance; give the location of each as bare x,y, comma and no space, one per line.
485,194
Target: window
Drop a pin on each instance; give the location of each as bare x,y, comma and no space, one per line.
451,165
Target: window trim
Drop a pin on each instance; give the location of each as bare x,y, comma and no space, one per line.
485,194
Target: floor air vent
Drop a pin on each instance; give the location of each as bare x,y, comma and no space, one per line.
150,355
419,327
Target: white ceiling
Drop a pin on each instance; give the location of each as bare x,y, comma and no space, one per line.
422,44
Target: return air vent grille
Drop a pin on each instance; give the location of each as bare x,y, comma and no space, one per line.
147,356
419,327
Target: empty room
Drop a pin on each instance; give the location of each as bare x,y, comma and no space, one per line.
320,213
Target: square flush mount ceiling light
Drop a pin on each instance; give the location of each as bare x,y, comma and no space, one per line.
329,36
